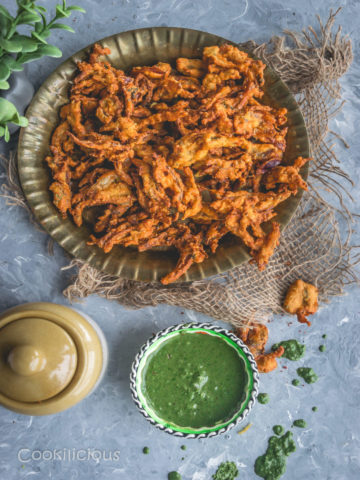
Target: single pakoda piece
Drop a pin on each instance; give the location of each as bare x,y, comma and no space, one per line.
190,250
255,337
191,67
288,175
269,243
267,362
301,299
101,187
132,230
195,147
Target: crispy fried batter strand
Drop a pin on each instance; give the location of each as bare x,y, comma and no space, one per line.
175,157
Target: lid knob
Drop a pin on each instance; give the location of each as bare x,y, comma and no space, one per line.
26,360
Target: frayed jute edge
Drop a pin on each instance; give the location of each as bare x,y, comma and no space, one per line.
311,64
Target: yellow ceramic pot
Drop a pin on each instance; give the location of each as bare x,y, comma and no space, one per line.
51,357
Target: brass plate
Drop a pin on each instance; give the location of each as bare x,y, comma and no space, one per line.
144,46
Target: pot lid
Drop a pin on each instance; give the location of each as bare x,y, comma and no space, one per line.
38,359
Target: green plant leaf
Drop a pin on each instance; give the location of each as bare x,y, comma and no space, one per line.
4,71
4,85
27,44
41,9
26,18
50,51
7,134
10,45
13,64
5,13
38,27
7,110
37,36
19,120
45,33
29,57
62,26
5,24
61,13
75,8
23,121
27,7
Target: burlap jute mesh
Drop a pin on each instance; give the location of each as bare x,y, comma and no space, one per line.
311,246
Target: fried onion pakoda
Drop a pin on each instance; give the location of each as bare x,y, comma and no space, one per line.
302,300
255,337
175,156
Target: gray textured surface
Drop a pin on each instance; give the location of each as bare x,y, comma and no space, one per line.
107,420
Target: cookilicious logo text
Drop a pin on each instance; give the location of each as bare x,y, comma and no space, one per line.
26,455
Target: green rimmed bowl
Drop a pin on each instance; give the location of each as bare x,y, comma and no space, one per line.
235,415
144,46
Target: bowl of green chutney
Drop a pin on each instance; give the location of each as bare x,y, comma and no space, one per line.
194,380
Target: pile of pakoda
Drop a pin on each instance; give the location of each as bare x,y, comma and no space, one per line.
174,157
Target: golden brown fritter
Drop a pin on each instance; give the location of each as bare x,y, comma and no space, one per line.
301,299
255,337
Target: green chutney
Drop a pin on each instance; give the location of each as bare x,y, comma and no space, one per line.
226,471
263,398
307,374
174,476
293,350
272,465
278,430
195,379
300,423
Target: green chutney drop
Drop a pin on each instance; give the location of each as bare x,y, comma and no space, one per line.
278,430
146,450
174,476
307,374
226,471
293,350
195,379
183,447
263,398
314,409
296,382
324,336
272,465
300,423
322,348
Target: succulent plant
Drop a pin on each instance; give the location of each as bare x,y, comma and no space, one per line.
17,49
